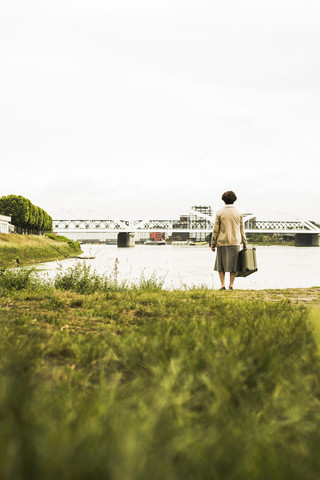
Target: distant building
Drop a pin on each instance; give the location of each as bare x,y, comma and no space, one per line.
5,225
156,236
183,223
194,221
180,236
205,209
200,221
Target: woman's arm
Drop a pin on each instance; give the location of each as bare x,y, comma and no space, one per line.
215,233
243,235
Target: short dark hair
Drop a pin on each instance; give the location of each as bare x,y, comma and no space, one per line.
229,197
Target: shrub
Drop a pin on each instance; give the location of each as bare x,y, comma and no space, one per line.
61,238
79,278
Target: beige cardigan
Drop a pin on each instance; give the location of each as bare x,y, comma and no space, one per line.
228,228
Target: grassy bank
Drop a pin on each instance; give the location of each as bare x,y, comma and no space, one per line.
264,239
273,244
133,382
29,249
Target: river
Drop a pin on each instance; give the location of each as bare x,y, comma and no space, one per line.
187,266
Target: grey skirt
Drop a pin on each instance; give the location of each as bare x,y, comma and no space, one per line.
227,258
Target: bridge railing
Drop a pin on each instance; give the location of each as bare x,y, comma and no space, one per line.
134,225
200,225
274,225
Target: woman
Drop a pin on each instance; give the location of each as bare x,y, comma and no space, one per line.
228,233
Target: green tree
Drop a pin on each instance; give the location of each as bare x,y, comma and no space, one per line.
47,223
27,217
17,207
40,222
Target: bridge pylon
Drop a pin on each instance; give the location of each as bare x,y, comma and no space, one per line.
307,240
126,239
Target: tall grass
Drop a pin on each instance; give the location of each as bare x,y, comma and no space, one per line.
80,278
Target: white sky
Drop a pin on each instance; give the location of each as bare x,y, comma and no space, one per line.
144,108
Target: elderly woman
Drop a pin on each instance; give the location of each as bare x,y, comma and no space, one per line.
228,233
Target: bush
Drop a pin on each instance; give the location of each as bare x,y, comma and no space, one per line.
78,278
60,238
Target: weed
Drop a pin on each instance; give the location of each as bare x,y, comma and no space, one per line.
152,283
76,303
78,278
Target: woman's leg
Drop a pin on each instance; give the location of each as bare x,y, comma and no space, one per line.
232,277
222,277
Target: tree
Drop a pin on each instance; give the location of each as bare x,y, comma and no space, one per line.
24,215
17,207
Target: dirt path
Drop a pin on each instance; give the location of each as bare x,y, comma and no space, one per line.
296,295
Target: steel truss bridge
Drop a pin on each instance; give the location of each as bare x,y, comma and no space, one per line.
203,223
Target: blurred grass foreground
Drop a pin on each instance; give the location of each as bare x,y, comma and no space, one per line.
101,380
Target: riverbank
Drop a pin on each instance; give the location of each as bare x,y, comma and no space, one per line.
272,244
26,250
138,382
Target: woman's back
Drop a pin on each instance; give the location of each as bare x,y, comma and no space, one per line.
228,226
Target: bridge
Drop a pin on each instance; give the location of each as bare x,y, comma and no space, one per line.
306,233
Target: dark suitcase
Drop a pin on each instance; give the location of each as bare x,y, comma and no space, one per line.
247,262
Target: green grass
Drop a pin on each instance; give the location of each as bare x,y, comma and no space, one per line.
134,382
30,249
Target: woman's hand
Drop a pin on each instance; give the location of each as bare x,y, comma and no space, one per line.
213,248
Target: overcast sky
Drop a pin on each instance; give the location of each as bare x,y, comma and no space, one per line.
143,108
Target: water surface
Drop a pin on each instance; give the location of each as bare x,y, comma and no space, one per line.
187,266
